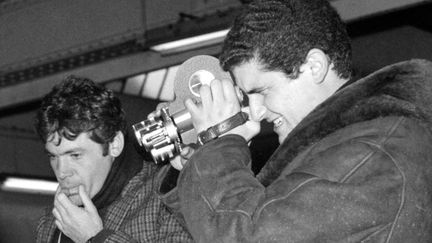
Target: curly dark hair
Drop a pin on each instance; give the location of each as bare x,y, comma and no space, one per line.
79,105
280,33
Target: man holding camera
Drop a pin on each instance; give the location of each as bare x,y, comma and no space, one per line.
105,191
354,161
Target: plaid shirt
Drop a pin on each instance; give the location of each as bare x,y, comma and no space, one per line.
136,216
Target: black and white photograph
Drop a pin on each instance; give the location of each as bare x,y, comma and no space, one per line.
261,121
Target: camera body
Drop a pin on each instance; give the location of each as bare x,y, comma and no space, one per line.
164,136
161,136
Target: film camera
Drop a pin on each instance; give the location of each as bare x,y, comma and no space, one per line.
164,136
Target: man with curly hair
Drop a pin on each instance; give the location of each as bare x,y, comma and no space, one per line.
105,191
354,160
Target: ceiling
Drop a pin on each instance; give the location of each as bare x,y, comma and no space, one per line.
108,40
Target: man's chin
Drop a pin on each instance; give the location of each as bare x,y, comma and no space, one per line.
282,132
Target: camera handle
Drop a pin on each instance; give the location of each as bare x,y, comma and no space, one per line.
215,131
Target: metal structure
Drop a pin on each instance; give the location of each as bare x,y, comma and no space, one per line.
44,40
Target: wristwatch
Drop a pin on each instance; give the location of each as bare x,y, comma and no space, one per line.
215,131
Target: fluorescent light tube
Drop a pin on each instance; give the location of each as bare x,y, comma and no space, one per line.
29,185
191,42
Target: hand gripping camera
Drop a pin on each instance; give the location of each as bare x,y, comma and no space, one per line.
165,135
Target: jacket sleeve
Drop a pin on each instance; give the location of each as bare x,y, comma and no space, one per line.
222,201
171,230
167,191
46,227
168,230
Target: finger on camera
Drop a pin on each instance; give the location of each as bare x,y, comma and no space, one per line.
217,91
157,111
229,91
191,106
206,96
187,152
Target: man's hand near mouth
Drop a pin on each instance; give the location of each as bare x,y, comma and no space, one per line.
78,223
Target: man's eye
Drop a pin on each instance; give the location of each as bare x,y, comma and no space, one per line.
76,156
242,96
263,91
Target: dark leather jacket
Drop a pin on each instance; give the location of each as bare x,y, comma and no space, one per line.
357,169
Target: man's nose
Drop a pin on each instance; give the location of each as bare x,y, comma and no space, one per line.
62,168
257,108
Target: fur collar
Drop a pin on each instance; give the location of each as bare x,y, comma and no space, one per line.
401,89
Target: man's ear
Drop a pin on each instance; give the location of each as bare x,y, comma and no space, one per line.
117,145
318,64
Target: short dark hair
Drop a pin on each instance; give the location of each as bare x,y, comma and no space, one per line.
280,33
78,105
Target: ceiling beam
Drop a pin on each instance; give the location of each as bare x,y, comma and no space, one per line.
112,69
352,10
